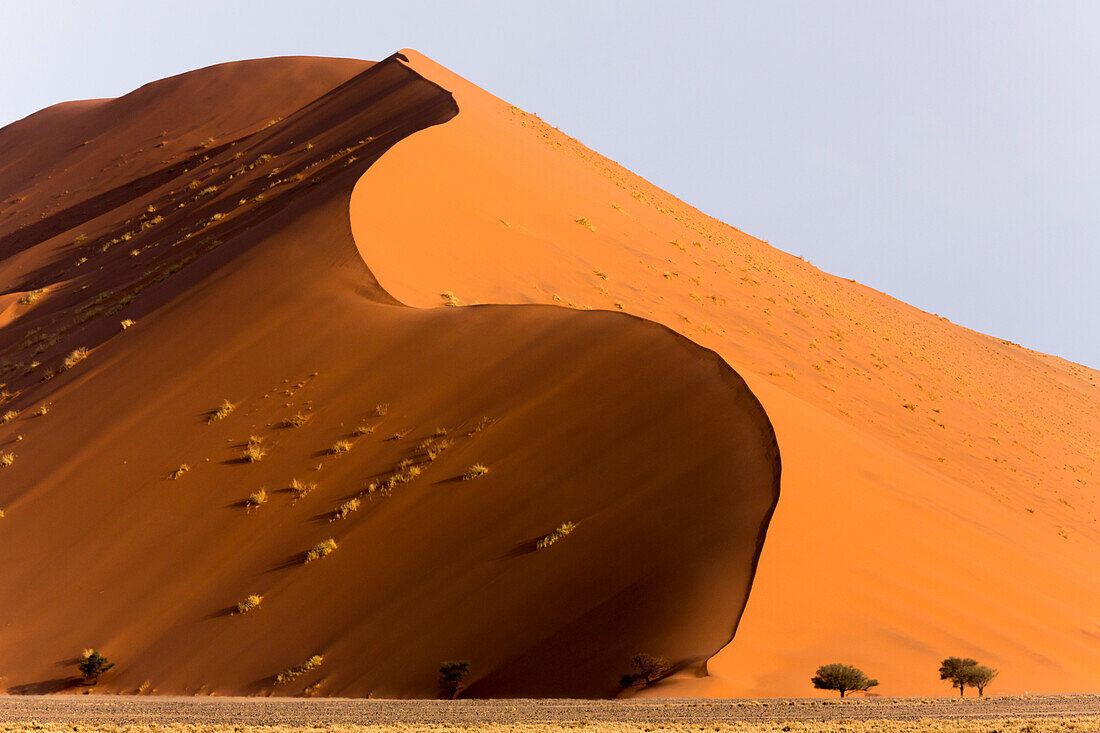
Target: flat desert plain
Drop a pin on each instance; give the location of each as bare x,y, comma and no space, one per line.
109,714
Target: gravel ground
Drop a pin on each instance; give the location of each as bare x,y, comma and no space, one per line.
118,710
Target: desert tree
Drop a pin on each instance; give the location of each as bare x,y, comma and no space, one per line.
842,677
92,664
451,675
957,670
648,668
979,676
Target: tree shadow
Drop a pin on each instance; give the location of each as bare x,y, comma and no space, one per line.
46,687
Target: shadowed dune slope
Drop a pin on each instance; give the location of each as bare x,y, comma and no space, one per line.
940,485
146,283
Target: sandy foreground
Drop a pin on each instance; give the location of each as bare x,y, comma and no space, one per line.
107,713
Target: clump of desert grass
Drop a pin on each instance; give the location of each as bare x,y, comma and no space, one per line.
289,675
8,416
6,459
561,531
249,604
184,468
75,356
340,447
381,409
475,471
254,451
32,297
584,222
345,509
43,410
126,323
256,498
449,298
300,488
221,412
296,420
362,430
323,548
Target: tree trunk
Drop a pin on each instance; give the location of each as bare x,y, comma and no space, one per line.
842,693
962,690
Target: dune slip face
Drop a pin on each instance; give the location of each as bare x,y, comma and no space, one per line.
939,485
235,462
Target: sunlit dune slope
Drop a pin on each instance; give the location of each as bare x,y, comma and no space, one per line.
939,490
203,380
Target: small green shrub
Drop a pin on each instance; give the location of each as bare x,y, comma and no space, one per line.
93,664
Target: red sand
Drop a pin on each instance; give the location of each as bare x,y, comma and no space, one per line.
938,492
244,283
939,488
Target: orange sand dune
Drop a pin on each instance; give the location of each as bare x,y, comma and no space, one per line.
939,491
198,248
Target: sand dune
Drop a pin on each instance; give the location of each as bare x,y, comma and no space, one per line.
198,250
939,491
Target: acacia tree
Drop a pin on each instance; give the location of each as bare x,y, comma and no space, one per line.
648,668
979,676
958,670
92,664
842,677
451,675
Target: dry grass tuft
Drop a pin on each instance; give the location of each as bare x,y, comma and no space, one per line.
475,471
293,673
254,452
346,509
364,430
8,416
257,498
43,410
250,603
301,489
75,357
449,298
296,420
381,409
321,549
32,297
221,411
6,459
562,530
184,468
341,447
126,323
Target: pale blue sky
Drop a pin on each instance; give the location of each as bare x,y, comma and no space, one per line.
947,153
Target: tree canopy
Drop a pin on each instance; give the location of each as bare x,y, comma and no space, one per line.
843,678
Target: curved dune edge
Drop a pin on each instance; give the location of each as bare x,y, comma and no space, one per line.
898,428
247,287
736,384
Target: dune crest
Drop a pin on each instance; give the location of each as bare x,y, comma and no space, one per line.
939,492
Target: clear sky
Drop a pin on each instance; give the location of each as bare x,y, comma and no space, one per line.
947,153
